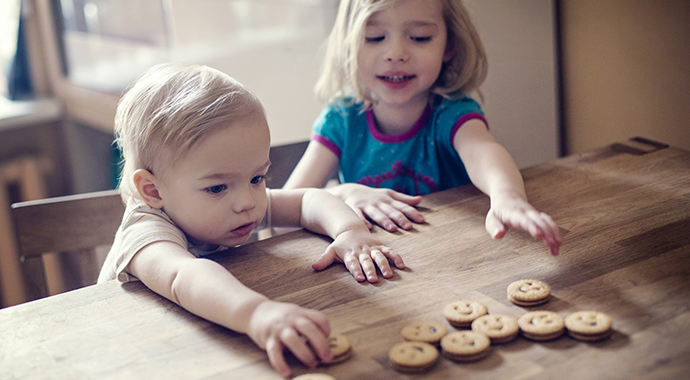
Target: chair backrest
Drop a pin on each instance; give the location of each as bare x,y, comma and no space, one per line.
71,223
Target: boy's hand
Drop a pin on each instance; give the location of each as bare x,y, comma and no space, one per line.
387,208
512,211
275,326
361,253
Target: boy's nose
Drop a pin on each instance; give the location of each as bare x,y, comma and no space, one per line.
245,201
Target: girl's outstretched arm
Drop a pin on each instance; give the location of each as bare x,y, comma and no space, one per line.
493,171
314,168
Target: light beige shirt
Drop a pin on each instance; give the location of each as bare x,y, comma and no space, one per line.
142,225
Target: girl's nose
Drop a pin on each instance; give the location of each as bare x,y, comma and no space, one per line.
397,52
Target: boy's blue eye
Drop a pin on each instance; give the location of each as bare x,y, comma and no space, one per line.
216,189
420,39
374,39
258,179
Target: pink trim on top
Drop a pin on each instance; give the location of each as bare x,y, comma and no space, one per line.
465,118
396,138
327,143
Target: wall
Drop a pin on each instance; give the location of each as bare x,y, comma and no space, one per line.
626,71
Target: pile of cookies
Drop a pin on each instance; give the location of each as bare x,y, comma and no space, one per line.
419,350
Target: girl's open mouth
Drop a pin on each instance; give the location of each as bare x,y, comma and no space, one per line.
395,78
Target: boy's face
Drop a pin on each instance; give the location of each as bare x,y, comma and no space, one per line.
217,193
403,52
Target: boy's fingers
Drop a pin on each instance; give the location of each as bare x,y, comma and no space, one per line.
353,266
316,338
296,344
382,262
325,260
275,356
368,266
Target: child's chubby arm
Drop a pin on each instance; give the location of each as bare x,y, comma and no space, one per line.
353,245
387,208
493,171
208,290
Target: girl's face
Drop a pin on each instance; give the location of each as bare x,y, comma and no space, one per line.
403,51
217,193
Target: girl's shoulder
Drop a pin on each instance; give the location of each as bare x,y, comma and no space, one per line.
345,105
462,104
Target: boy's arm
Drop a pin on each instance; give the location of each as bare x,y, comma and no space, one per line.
208,290
493,171
353,245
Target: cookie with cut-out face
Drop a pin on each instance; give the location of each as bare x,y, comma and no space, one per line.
529,292
465,346
462,313
425,331
541,325
588,326
413,357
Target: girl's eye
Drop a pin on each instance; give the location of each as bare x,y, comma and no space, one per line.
374,39
258,179
420,39
217,189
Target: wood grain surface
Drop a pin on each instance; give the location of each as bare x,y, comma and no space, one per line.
625,220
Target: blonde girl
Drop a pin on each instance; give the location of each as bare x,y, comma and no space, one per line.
399,122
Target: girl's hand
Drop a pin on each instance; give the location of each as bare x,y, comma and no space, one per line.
361,253
512,211
387,208
275,326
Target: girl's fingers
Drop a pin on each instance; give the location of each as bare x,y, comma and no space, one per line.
409,211
375,214
394,257
398,217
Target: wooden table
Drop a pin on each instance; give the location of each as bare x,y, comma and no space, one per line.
625,219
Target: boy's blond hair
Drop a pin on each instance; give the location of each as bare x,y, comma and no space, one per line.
169,109
464,73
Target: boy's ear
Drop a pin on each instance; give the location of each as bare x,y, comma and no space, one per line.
147,186
449,53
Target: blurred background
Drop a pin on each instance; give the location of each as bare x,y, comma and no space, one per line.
565,76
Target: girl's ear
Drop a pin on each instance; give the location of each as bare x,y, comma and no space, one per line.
147,186
449,53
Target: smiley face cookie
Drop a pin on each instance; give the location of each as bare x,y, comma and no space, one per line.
465,346
588,326
413,357
529,292
462,313
541,325
499,328
425,331
341,348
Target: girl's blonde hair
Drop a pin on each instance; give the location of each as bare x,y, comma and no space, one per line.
169,109
462,74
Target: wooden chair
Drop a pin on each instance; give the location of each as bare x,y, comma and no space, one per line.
76,224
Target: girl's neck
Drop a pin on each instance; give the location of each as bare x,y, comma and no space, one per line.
393,120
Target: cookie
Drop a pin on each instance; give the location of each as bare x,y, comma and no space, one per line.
588,326
529,292
465,346
426,331
341,348
499,328
314,376
462,313
541,325
413,357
